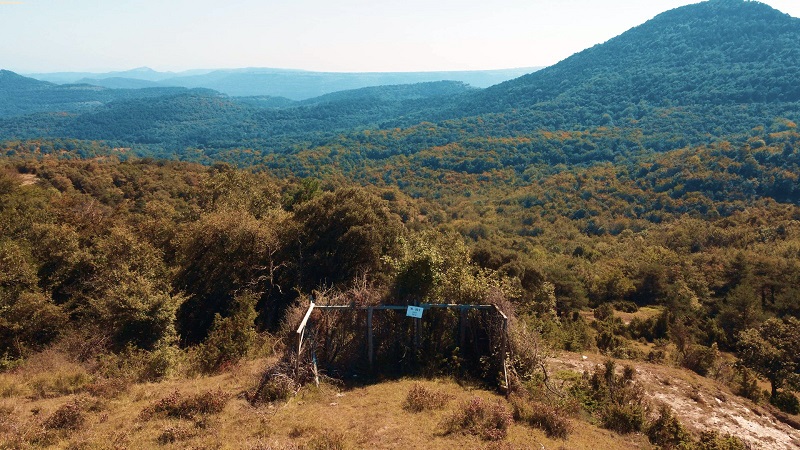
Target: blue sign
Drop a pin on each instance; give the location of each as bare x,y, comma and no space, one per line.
414,311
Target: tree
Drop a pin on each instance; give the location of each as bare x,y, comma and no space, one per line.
773,351
342,235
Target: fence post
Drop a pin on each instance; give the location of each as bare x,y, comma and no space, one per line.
462,330
370,348
301,330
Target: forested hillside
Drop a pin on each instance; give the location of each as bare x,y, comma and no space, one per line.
20,95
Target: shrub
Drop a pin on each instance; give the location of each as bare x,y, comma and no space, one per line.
279,387
69,416
421,399
626,306
748,384
623,418
489,421
700,359
139,365
603,312
175,405
711,440
786,402
542,416
230,337
667,431
617,401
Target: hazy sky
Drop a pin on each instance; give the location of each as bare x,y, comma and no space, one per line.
327,35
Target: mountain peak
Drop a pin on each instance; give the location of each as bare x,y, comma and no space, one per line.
718,51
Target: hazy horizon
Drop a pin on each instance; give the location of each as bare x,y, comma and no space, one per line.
314,35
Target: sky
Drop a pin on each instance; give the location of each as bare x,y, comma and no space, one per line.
319,35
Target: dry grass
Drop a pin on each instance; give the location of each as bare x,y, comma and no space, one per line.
327,417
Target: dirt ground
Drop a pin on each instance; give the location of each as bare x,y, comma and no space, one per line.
700,403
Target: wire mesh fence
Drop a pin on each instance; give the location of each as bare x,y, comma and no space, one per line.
348,342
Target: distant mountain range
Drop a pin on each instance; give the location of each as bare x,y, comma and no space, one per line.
291,84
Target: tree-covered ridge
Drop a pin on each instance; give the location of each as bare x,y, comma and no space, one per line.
22,96
715,52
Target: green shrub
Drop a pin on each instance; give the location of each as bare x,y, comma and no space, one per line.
421,399
700,359
711,440
748,384
139,365
489,421
617,401
626,306
231,337
623,418
667,431
604,312
786,402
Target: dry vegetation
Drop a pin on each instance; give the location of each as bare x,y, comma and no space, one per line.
46,404
212,412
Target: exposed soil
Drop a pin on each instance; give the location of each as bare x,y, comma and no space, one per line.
700,403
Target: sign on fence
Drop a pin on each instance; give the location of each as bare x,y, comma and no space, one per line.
414,311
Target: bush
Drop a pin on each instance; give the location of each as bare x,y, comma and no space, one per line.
175,405
139,365
604,312
711,440
626,306
542,416
667,431
700,359
786,402
624,419
69,416
230,337
489,421
421,399
278,387
617,401
748,384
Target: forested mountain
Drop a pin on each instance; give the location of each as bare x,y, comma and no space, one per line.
203,118
713,53
21,95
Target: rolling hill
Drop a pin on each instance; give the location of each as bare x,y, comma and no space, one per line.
21,95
